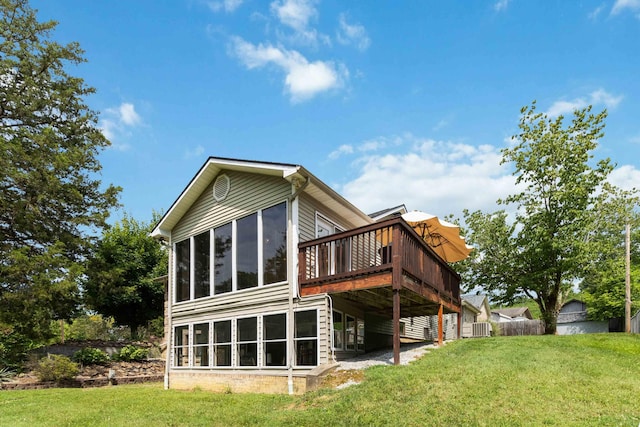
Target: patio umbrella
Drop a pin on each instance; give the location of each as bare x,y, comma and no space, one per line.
442,236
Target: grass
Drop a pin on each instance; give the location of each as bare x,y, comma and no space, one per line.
510,381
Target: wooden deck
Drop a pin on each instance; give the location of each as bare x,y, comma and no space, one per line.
386,267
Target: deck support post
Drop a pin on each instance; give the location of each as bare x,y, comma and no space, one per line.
440,325
396,326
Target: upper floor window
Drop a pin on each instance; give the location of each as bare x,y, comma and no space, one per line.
245,253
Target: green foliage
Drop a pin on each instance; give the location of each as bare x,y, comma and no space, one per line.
50,200
121,278
131,353
57,368
91,356
6,374
95,327
604,284
565,213
14,348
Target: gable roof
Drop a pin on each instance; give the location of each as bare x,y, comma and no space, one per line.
514,312
389,212
292,173
476,300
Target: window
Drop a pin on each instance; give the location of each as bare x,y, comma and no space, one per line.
201,344
274,243
247,252
350,333
275,340
243,254
223,239
181,346
201,267
338,331
403,328
306,338
248,341
222,343
182,270
360,335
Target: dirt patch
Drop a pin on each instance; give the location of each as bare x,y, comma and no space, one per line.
338,379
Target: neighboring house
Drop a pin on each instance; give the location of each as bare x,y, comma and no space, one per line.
475,313
572,319
273,276
511,314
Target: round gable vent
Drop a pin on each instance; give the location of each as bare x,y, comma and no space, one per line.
221,188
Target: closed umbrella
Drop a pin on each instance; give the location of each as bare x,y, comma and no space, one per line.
442,236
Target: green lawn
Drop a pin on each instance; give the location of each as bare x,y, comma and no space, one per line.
510,381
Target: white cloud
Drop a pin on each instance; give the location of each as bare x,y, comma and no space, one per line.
196,152
626,177
598,97
593,15
117,124
352,34
303,79
434,176
500,5
225,5
621,5
343,149
295,13
128,114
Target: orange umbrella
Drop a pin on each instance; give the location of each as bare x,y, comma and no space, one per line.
442,236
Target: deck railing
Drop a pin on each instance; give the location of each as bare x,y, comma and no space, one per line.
369,250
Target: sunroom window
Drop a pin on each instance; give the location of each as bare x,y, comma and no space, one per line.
243,254
248,341
275,339
222,343
201,344
306,338
181,346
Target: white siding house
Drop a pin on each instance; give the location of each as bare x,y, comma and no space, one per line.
250,309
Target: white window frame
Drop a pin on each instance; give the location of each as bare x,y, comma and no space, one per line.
263,341
230,343
174,347
342,332
237,343
234,258
317,337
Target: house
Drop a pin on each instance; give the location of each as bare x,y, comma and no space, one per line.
273,276
475,316
511,314
572,319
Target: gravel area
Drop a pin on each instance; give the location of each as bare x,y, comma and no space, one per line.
408,353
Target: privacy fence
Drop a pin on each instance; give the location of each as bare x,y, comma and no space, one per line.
522,327
635,323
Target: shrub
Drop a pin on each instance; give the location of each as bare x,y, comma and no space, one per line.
6,375
56,368
91,356
14,348
131,353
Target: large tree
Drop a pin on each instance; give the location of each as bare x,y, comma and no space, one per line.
563,203
51,199
122,277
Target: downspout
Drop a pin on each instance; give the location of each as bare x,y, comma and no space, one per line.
168,334
292,234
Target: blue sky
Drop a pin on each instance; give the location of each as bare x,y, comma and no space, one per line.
388,102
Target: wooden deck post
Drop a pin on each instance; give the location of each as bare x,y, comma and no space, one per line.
396,326
440,325
396,285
